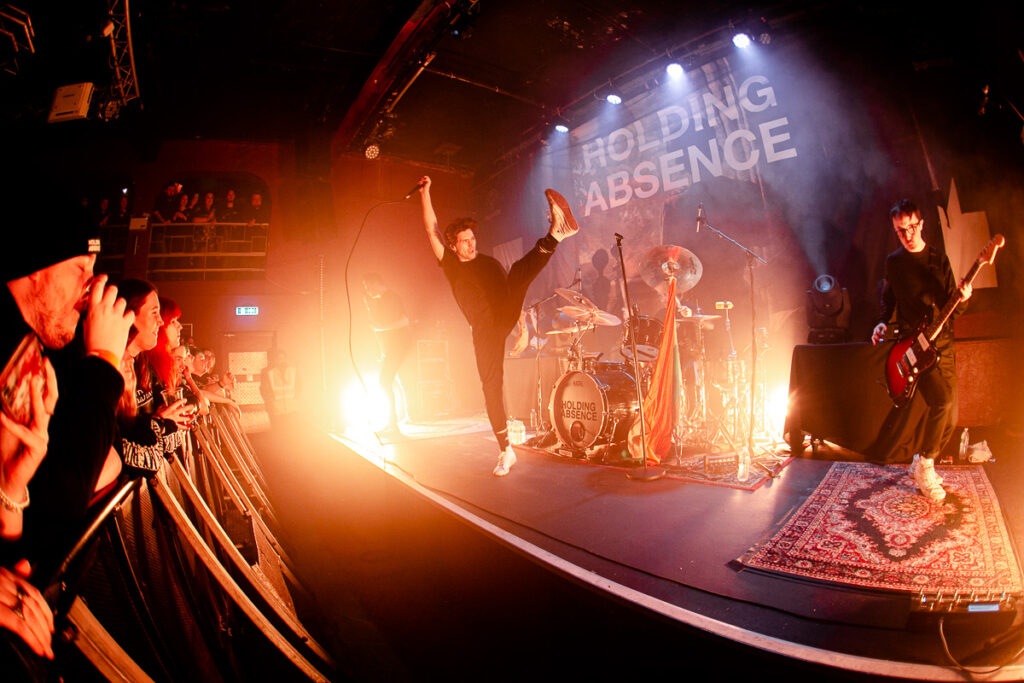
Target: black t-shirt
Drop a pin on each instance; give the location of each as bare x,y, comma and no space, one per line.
918,286
479,287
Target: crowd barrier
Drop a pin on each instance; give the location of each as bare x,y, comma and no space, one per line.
180,576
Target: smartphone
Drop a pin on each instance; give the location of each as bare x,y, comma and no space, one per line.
16,379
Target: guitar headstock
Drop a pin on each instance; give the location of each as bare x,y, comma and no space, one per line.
988,254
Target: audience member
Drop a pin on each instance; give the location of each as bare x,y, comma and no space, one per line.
229,211
206,211
212,387
143,438
181,213
166,203
49,284
122,213
102,216
257,213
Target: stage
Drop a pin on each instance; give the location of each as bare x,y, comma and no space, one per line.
430,566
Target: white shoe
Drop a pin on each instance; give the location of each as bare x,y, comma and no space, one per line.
928,481
915,466
562,222
505,462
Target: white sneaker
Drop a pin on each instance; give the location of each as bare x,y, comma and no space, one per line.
928,481
562,222
505,462
915,465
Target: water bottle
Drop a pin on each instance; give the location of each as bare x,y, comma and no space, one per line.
743,466
964,443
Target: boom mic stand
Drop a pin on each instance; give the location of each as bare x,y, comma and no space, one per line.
751,257
646,473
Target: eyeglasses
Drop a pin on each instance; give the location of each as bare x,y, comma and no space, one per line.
909,227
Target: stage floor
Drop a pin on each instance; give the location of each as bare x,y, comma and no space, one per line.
669,546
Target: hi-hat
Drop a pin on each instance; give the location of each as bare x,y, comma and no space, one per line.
668,260
699,319
592,316
576,299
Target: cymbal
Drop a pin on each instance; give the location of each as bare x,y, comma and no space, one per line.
575,298
591,316
664,261
699,319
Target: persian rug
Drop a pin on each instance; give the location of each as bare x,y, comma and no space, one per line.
866,525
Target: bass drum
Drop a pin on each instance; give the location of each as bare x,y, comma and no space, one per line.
648,339
589,409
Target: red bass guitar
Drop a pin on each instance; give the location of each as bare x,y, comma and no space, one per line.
912,356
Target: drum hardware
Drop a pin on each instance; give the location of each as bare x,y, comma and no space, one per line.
751,258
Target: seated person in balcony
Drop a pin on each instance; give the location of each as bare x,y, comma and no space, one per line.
181,213
122,213
229,211
206,211
256,212
166,203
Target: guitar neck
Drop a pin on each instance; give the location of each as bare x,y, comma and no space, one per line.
954,301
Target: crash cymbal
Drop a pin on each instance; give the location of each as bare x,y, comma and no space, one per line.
575,298
590,316
667,260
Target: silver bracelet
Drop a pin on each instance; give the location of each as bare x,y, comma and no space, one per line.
12,505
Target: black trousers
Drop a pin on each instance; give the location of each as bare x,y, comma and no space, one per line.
489,339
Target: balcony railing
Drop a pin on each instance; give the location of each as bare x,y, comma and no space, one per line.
188,251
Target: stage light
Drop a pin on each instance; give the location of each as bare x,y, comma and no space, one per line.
828,312
561,124
741,40
372,151
674,70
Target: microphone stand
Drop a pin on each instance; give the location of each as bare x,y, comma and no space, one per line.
751,257
645,473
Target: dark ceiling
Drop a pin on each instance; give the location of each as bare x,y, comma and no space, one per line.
459,84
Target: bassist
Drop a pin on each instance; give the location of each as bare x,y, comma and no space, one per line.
918,284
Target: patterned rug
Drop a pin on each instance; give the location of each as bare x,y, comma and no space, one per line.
866,525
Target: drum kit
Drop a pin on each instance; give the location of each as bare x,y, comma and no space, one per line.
595,402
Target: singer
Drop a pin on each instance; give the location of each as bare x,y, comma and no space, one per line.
491,299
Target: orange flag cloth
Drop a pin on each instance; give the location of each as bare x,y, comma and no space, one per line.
661,404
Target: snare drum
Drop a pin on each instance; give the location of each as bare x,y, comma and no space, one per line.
648,338
589,409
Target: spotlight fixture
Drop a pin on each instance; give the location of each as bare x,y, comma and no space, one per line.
741,40
674,70
828,312
372,151
613,98
561,124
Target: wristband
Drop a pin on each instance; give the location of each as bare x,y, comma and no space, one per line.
108,356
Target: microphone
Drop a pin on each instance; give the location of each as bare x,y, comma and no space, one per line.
414,190
700,215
